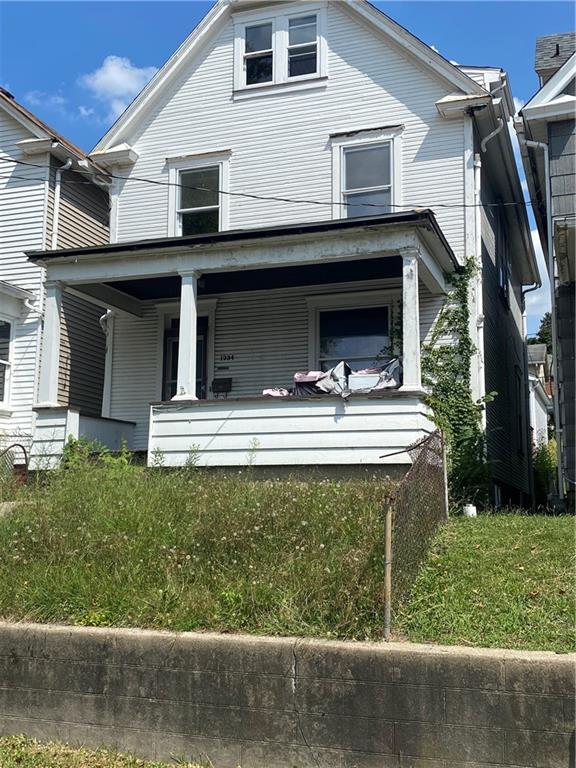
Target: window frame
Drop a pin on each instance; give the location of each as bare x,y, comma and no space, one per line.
280,21
251,55
503,258
8,365
365,139
177,166
344,301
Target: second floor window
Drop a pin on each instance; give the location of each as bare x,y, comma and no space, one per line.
367,180
198,209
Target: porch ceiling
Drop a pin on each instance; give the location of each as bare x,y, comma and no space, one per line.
300,253
264,279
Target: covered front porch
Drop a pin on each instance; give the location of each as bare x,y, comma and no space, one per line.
197,327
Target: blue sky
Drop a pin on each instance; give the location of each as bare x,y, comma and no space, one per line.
77,64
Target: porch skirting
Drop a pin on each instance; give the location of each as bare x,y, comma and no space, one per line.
291,431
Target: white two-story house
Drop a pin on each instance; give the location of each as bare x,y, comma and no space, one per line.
294,188
51,196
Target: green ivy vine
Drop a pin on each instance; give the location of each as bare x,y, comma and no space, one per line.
446,374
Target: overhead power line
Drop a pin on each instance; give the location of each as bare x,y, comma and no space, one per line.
252,196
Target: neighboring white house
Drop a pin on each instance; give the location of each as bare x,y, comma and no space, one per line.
297,179
43,205
539,388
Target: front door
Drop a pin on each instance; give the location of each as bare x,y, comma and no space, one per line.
170,364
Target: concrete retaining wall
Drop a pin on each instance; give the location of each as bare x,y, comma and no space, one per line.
267,702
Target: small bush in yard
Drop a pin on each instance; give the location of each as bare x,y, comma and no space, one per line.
110,543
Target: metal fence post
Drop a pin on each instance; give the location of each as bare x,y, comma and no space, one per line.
388,568
445,473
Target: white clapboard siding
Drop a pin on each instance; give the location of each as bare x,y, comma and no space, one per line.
22,201
280,145
52,429
288,432
266,331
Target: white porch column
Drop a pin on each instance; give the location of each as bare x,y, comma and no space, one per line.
186,384
50,362
411,322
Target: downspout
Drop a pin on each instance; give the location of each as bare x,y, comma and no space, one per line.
550,247
57,187
491,135
479,281
107,323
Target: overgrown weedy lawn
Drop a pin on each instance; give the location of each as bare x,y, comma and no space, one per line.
500,580
189,550
20,752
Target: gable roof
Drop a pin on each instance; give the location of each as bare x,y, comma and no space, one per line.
220,11
37,127
551,100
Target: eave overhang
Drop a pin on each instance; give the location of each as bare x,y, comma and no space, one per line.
422,220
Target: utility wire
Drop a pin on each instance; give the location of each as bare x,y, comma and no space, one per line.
156,182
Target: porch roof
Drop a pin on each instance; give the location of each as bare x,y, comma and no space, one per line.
422,219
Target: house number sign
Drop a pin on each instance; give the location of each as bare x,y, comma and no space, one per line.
225,358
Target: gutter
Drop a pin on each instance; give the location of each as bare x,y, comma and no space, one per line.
550,248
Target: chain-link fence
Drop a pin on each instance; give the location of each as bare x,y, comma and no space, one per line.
413,515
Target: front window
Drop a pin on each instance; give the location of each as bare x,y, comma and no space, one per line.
302,46
367,180
5,337
361,337
199,201
259,54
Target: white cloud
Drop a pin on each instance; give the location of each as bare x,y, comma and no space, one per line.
85,111
538,302
116,82
41,99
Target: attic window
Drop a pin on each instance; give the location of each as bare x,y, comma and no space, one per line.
281,50
258,54
302,46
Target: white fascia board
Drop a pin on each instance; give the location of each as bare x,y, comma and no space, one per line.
7,289
560,108
554,86
33,147
165,74
419,50
123,154
457,104
34,129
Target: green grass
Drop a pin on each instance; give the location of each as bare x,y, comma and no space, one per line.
122,545
20,752
501,580
189,550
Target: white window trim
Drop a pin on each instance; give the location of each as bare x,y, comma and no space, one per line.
206,308
280,20
336,301
5,401
367,138
193,163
